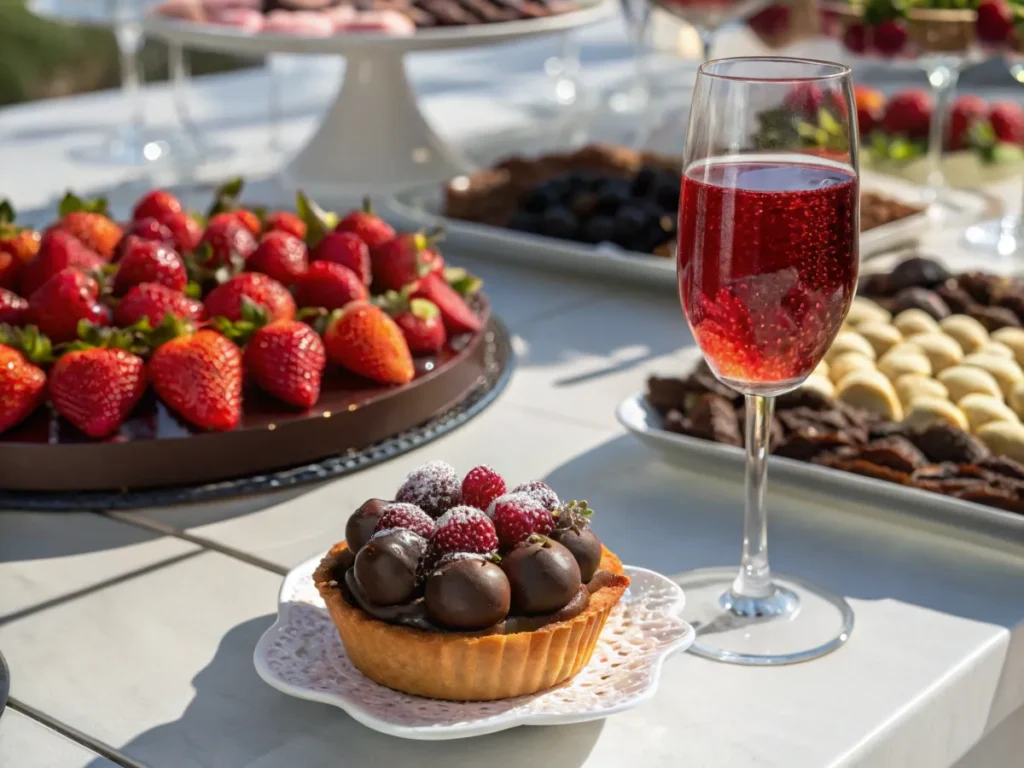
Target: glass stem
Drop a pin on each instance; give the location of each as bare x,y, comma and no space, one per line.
942,77
178,66
755,577
707,40
129,42
641,62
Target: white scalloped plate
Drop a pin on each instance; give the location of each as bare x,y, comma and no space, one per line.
302,655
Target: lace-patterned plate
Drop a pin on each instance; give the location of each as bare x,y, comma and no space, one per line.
302,655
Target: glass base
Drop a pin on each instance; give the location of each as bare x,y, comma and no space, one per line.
129,147
797,622
996,236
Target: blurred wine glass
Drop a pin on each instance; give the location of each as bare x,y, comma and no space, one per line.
637,95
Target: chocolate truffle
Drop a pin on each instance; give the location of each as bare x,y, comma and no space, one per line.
585,547
360,526
543,575
386,567
467,594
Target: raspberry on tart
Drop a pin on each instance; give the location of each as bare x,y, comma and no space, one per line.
516,516
408,516
464,529
542,492
434,488
481,486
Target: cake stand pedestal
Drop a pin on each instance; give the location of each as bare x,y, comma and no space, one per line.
374,139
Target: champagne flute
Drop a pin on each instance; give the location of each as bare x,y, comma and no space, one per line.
768,262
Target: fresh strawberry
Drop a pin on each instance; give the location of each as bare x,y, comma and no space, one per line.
966,111
186,232
372,229
908,114
805,99
457,315
68,297
18,247
870,108
286,359
402,260
22,383
362,338
280,255
226,205
199,376
153,302
249,220
147,229
422,327
13,308
227,241
96,388
995,21
516,516
408,516
464,529
541,492
855,38
1007,120
226,300
147,261
889,37
58,251
156,204
283,221
94,230
347,249
770,24
329,285
481,486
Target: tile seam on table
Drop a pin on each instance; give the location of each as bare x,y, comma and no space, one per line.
74,735
98,587
200,541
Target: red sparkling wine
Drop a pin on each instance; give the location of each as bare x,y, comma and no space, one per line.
768,260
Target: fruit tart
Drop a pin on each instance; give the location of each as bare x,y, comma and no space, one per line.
462,590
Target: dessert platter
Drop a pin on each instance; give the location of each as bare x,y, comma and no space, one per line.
460,574
919,400
176,349
376,108
610,210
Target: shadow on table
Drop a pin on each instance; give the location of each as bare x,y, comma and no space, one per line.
235,720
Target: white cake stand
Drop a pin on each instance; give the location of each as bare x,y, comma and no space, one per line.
373,139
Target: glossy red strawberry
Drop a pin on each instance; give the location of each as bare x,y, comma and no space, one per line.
372,229
18,247
228,241
1007,120
347,249
889,37
95,389
362,338
283,221
458,316
402,260
908,114
855,38
422,327
966,111
68,297
199,376
147,261
226,300
13,308
154,302
329,285
22,387
186,232
156,204
146,229
286,359
58,251
995,21
281,256
94,230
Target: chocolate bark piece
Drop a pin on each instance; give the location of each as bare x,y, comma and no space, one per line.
994,318
957,299
1002,466
1000,498
942,443
803,398
675,421
865,468
666,392
806,445
874,286
917,271
489,11
880,429
946,478
298,5
894,452
447,12
925,299
983,287
1013,300
714,417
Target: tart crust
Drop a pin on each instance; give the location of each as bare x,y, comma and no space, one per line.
467,667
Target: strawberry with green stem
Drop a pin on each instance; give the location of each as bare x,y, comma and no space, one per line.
362,338
68,297
226,201
154,303
226,300
420,321
404,259
58,251
22,380
18,246
457,315
88,220
370,227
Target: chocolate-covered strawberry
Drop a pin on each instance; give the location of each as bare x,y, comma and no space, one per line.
543,575
387,566
363,523
572,531
467,592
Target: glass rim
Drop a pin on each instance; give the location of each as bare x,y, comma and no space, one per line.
841,70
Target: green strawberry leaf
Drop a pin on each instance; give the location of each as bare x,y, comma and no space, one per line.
7,214
424,309
226,197
1007,153
462,282
194,290
253,313
318,221
72,203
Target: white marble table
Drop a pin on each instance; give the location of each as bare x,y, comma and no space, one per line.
130,636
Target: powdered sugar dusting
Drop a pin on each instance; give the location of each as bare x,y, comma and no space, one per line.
434,488
409,516
460,515
540,491
520,497
464,529
386,531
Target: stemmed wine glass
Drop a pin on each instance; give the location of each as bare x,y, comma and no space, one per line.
636,98
768,262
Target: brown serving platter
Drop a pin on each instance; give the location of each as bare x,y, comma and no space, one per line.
155,448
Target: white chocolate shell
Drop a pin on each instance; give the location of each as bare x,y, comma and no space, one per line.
968,332
913,321
821,369
819,384
963,380
881,336
1004,438
941,350
849,341
911,386
847,363
1006,372
981,409
998,349
871,391
866,311
1012,338
902,359
927,411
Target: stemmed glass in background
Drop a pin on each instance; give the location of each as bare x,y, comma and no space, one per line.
709,16
637,97
768,263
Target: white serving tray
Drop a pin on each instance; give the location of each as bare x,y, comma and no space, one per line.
996,526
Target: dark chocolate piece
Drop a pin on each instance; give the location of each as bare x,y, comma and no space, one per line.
994,318
920,298
363,522
1003,466
805,445
983,287
957,299
941,443
917,272
387,566
713,417
874,286
467,594
894,452
803,398
543,575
